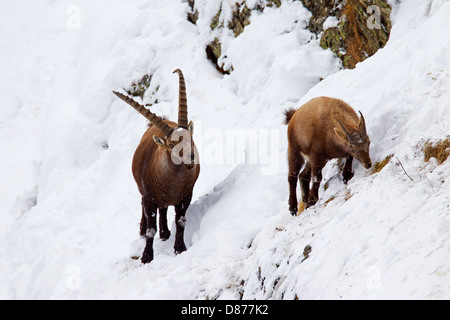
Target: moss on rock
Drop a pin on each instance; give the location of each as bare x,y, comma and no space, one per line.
364,27
240,19
213,53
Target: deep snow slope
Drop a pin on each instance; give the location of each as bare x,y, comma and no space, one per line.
70,210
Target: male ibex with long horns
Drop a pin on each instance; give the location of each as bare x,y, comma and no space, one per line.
165,167
320,130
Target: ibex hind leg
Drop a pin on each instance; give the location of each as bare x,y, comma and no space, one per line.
295,164
316,176
305,180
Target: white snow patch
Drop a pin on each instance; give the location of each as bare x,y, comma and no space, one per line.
70,207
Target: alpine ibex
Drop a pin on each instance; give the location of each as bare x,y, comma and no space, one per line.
165,167
320,130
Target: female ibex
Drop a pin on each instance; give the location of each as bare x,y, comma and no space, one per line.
322,129
165,167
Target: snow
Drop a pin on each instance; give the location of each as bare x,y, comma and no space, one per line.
70,209
331,22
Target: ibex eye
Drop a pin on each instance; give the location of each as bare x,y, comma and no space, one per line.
171,146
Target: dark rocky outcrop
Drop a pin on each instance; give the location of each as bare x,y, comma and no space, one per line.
321,10
363,26
192,14
213,53
239,20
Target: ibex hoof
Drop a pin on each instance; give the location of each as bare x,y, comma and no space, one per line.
146,259
293,213
164,235
177,252
180,249
347,178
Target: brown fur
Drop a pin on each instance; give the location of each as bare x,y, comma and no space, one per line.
316,134
157,176
162,183
161,180
288,115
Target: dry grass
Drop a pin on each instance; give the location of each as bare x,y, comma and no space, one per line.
348,195
377,167
330,199
439,150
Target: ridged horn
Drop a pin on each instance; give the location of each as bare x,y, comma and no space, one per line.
362,124
349,137
182,102
150,116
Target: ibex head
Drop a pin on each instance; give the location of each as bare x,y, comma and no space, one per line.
357,141
179,141
175,140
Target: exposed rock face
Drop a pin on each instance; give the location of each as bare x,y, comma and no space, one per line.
271,3
321,10
363,28
192,15
213,53
360,27
239,20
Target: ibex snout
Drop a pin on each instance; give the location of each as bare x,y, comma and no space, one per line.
367,165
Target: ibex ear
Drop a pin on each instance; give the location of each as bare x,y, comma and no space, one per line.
160,141
341,134
191,127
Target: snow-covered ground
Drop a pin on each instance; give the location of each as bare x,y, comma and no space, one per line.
70,209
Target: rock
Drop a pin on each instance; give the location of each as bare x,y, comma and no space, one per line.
213,53
321,10
271,3
364,27
139,88
192,15
215,21
240,19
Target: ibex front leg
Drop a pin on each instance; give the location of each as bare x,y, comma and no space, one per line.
347,173
150,210
164,232
180,221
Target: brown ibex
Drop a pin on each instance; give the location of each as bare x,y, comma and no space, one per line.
320,130
165,167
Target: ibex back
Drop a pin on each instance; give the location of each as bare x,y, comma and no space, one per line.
322,129
165,167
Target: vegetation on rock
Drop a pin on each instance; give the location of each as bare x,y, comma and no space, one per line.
364,27
439,150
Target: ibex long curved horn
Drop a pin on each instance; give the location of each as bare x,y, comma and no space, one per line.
153,118
182,102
